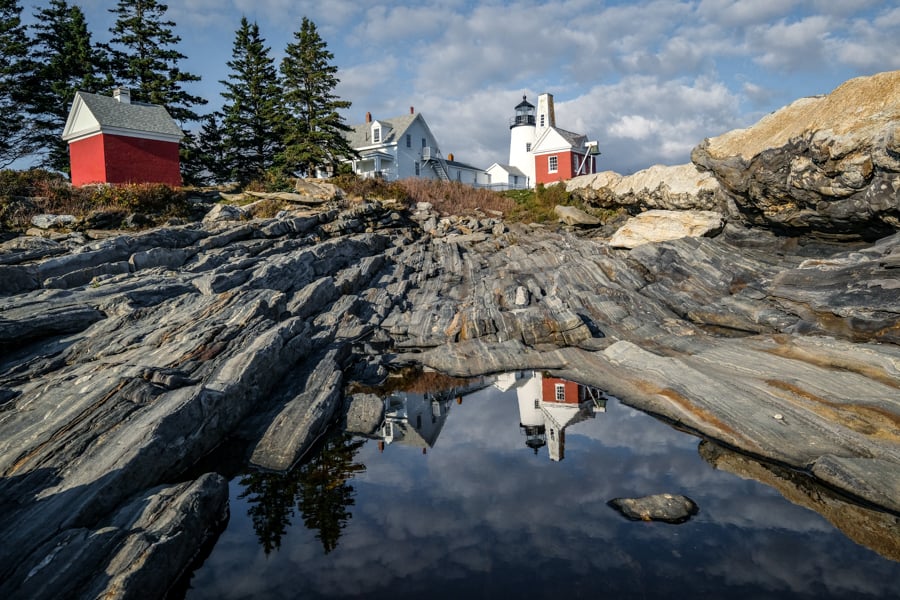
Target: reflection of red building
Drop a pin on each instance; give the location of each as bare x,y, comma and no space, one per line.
558,390
547,405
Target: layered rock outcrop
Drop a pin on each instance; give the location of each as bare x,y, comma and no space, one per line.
828,164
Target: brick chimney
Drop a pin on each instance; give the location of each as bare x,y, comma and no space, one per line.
412,110
368,117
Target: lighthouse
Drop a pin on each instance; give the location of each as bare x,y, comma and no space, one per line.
521,138
526,128
541,151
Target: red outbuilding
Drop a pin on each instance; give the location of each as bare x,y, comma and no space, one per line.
114,140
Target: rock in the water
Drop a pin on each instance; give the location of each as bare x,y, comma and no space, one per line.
669,508
825,164
664,225
363,413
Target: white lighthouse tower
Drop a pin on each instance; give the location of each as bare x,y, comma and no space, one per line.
521,138
525,129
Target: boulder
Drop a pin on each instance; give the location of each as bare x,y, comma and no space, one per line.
681,187
668,508
575,216
223,212
827,164
53,221
665,225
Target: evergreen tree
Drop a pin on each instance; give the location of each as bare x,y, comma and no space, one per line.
203,158
64,62
314,128
15,128
253,108
144,59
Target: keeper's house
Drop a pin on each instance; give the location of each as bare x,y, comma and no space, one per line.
114,140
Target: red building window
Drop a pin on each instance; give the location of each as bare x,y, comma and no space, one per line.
552,164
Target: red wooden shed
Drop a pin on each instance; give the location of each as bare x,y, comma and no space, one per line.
114,140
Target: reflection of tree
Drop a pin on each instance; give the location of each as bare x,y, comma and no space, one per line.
319,487
271,497
325,492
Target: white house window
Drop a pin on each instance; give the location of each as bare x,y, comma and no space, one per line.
553,164
376,134
560,392
537,403
527,146
408,140
542,120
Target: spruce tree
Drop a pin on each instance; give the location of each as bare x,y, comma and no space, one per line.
314,129
15,129
64,62
203,159
145,60
252,111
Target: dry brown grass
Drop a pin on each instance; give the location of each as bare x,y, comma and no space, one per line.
454,198
24,194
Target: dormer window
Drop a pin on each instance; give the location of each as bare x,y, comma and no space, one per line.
376,134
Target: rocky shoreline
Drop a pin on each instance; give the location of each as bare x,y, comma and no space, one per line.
127,359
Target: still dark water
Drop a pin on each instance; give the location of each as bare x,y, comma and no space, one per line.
447,500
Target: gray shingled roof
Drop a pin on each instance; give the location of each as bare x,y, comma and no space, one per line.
511,169
575,139
359,136
136,116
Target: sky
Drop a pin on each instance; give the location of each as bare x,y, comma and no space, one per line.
648,80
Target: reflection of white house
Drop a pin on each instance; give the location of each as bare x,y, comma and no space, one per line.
548,405
413,419
403,147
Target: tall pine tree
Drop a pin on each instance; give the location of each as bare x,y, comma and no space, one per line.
15,128
64,62
203,159
252,111
315,130
144,59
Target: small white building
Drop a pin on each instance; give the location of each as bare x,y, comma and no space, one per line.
507,177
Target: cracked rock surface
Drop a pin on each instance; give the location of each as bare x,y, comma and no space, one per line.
126,360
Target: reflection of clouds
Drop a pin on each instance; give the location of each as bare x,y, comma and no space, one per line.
480,513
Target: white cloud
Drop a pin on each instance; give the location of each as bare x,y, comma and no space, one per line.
792,46
741,13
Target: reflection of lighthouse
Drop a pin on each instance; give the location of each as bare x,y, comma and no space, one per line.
548,405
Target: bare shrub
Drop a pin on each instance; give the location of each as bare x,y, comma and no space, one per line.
454,198
24,194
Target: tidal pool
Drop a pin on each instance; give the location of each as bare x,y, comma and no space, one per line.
499,488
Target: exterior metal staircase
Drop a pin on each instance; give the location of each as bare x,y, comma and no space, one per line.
432,157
